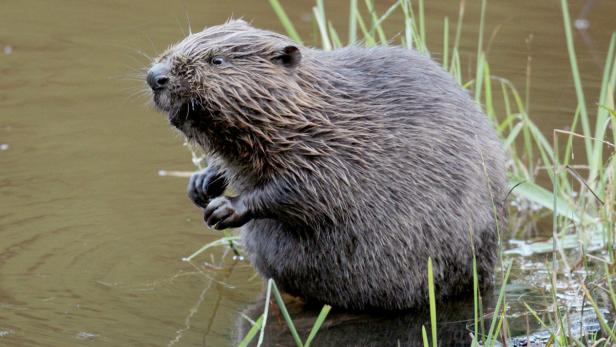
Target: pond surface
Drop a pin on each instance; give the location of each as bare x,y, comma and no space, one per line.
92,237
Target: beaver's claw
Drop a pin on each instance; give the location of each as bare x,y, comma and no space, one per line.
205,185
226,212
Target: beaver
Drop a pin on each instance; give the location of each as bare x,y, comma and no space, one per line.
350,167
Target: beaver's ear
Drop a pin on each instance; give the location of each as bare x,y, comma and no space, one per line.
289,56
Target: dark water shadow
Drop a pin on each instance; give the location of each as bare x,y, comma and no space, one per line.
345,329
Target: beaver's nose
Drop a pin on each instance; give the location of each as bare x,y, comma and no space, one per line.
158,76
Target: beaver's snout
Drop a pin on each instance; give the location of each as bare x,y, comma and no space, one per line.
158,76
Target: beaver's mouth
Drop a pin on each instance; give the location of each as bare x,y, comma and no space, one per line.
181,114
189,113
177,111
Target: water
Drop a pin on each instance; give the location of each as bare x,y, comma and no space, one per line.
92,237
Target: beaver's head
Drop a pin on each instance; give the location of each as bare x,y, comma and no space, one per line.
227,76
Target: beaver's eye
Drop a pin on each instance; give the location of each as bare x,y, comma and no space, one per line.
217,61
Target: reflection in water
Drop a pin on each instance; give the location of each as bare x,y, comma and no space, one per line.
454,322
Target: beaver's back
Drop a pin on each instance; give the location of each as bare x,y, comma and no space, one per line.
422,138
420,178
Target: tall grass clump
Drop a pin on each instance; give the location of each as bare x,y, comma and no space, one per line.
578,196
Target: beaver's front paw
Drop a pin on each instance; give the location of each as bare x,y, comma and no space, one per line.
226,212
205,185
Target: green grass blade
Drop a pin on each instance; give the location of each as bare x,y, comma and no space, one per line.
409,28
285,314
510,118
353,22
446,43
489,100
607,69
317,324
611,87
336,42
375,25
513,134
545,198
499,326
534,314
432,298
606,328
456,43
603,120
476,303
422,23
519,103
481,29
378,23
251,333
319,15
569,146
563,340
610,291
456,67
220,242
507,104
499,303
478,82
369,39
286,22
424,336
268,296
579,92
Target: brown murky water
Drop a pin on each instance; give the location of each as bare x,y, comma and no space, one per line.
91,237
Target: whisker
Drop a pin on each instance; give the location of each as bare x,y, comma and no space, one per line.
154,48
180,26
127,78
137,95
186,13
137,51
144,54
